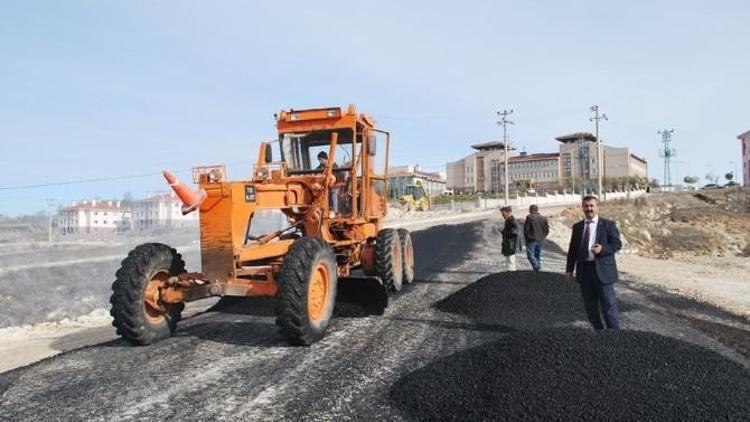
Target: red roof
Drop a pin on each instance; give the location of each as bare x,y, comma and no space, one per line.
535,157
95,205
159,197
422,174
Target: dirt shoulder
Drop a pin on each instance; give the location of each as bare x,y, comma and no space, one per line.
693,244
721,281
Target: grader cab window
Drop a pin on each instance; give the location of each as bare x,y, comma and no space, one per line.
307,152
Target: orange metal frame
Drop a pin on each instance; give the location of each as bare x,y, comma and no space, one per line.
232,266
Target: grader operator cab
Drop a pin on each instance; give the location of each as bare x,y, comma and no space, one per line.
306,220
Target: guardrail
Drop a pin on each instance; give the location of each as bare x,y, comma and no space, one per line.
541,200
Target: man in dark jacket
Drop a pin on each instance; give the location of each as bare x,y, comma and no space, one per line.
591,253
511,241
535,230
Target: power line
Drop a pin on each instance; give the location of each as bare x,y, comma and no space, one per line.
95,180
76,182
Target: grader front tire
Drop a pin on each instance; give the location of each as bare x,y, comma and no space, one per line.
307,291
138,318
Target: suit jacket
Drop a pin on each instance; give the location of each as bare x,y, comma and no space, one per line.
607,236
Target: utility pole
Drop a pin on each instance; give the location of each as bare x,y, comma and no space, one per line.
599,166
667,152
50,205
583,165
504,122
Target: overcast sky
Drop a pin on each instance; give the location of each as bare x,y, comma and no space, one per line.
93,89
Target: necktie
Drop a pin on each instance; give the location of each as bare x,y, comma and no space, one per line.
585,241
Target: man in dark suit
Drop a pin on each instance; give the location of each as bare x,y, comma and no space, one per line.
593,245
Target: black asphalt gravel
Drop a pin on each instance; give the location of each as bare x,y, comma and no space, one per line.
231,363
578,374
519,300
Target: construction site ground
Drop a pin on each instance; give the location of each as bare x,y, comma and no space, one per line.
462,318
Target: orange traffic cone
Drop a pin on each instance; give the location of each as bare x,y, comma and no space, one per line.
191,199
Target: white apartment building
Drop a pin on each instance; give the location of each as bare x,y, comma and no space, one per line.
745,139
92,217
161,209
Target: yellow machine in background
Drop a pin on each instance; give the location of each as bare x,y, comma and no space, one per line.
415,198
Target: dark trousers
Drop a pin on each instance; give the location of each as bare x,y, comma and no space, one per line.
596,295
534,253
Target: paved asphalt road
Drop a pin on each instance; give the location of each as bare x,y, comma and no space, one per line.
233,364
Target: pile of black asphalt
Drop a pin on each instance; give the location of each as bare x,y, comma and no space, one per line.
577,374
547,369
518,300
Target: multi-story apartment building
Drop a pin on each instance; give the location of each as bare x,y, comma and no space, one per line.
745,140
92,217
160,209
402,176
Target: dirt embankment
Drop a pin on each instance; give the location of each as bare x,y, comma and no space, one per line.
695,244
712,223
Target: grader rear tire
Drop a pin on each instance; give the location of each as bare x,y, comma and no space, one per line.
147,268
307,291
389,259
407,252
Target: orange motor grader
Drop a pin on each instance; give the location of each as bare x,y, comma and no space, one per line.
302,224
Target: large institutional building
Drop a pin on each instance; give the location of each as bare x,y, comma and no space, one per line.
575,165
478,171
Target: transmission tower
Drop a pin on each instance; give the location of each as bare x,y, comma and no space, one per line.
667,152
